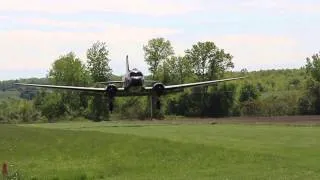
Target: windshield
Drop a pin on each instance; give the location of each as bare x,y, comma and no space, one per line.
135,74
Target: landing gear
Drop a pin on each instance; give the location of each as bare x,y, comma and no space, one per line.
158,90
111,93
111,106
156,101
158,104
111,103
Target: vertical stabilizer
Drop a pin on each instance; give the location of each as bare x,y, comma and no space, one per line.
127,64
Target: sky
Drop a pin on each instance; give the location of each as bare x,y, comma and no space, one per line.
259,34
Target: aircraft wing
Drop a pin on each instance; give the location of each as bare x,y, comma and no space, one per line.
174,88
75,88
89,90
111,82
120,91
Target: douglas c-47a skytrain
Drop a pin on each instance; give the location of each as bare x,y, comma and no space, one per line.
133,84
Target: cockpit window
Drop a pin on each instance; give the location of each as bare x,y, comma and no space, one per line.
135,74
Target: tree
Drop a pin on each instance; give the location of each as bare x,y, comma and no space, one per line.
69,70
221,101
313,87
178,69
208,61
305,105
98,109
248,92
155,52
164,73
313,66
98,65
98,62
53,106
133,108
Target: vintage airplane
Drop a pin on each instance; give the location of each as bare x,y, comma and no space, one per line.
133,84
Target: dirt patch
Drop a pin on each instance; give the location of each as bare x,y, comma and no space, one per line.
291,120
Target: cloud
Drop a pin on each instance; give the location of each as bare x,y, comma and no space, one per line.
260,51
57,23
272,6
91,25
25,47
282,5
3,18
148,7
34,49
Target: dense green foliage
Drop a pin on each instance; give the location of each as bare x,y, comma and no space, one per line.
263,93
98,66
15,111
208,61
137,151
98,62
310,102
156,51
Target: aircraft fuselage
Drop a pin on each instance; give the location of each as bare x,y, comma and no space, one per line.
133,81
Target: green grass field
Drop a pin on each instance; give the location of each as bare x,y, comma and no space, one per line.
157,151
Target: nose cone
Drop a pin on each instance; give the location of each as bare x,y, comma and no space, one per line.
136,81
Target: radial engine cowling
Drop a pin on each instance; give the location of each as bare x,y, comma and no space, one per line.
111,90
158,89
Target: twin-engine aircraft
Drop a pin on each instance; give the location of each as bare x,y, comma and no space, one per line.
133,84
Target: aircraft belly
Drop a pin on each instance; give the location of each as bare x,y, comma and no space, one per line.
134,91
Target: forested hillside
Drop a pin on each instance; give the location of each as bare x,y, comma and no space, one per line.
262,93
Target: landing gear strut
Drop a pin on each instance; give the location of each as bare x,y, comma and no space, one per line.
111,106
158,104
156,101
111,93
110,100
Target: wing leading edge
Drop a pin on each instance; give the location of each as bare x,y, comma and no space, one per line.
174,88
76,88
178,87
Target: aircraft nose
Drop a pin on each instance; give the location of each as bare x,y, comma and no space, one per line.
136,81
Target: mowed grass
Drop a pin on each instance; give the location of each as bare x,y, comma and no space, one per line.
137,151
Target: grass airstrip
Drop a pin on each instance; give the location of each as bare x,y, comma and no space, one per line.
109,150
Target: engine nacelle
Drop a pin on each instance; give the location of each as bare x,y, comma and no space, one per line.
111,90
158,89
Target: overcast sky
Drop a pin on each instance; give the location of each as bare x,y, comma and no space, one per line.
259,34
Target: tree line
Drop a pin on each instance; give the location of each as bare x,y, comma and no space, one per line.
263,93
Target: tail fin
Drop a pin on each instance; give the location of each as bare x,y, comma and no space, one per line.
127,64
